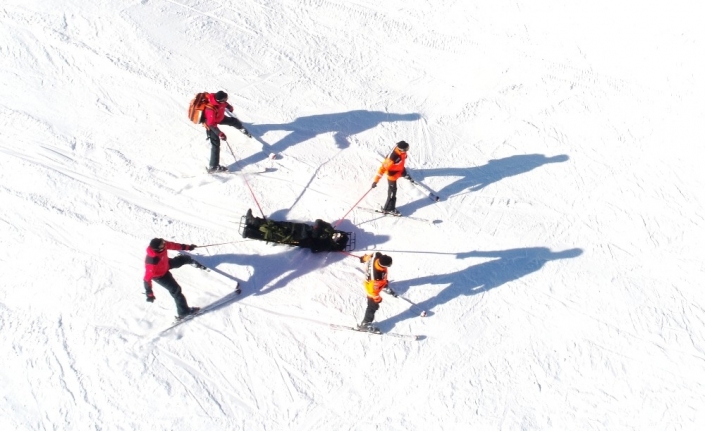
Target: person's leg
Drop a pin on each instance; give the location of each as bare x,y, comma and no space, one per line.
234,122
168,282
372,307
179,261
391,204
215,148
182,259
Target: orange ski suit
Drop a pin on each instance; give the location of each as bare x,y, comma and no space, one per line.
376,277
393,166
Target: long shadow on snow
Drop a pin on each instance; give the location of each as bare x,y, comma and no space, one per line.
509,265
479,177
342,125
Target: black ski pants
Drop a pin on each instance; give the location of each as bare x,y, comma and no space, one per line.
372,308
215,139
391,203
168,282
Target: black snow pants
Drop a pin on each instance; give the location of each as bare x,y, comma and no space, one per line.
391,203
372,307
215,139
168,282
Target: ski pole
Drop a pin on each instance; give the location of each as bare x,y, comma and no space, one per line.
350,254
222,243
414,307
434,197
353,207
244,177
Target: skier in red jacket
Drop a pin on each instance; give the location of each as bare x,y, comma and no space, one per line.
215,115
157,265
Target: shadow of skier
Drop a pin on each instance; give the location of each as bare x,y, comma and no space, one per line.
508,265
342,125
479,177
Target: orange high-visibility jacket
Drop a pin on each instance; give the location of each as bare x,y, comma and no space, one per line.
376,277
393,166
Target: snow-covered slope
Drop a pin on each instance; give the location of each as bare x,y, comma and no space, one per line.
562,270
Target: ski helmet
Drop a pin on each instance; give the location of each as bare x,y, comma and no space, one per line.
402,145
385,261
156,243
221,96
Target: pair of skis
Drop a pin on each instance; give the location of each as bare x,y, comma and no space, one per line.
376,331
222,302
395,214
248,172
411,337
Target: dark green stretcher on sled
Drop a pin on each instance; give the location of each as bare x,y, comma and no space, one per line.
321,236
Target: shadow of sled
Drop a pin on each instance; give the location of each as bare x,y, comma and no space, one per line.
322,236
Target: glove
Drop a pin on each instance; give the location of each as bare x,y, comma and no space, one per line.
192,247
150,296
374,185
364,258
222,136
389,291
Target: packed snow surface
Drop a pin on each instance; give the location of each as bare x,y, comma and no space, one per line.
562,269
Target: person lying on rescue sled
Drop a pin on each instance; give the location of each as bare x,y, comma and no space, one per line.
321,236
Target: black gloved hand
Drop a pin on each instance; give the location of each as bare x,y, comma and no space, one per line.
150,296
374,185
191,247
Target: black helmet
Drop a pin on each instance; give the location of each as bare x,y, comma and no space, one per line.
156,243
402,145
221,96
385,261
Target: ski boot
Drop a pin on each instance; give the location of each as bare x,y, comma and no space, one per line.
393,212
367,327
216,169
198,265
192,310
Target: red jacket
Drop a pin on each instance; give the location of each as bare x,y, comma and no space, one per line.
215,112
156,264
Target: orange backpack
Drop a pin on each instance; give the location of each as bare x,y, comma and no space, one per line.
197,106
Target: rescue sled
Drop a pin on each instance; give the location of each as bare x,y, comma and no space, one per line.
321,236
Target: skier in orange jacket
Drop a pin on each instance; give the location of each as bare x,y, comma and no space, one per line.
375,282
393,166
